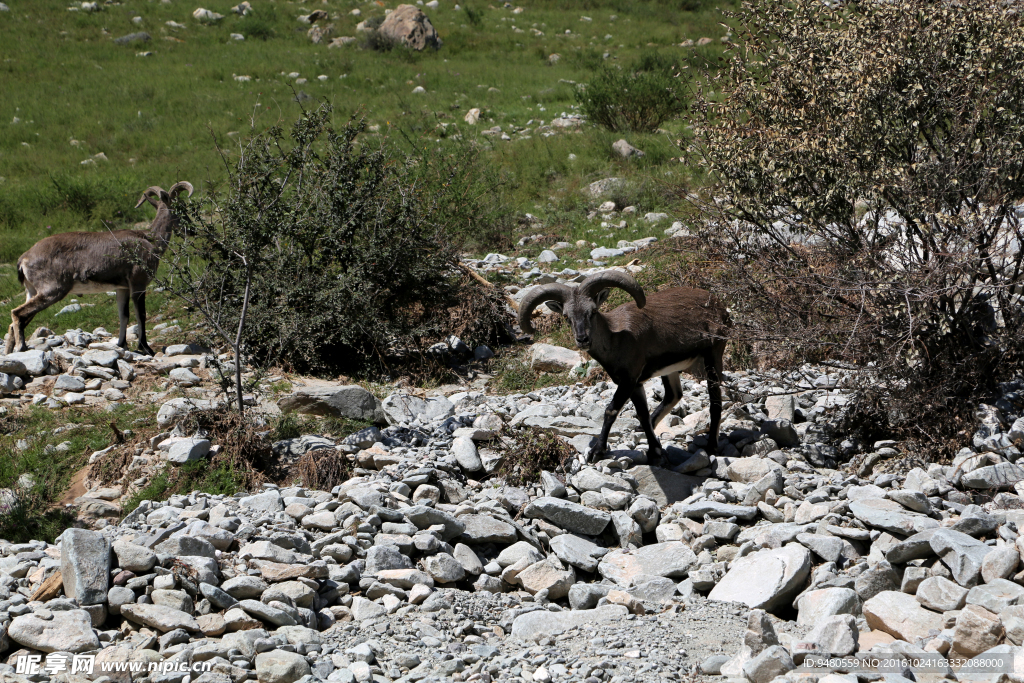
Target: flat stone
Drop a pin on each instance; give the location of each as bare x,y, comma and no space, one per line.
187,546
901,616
278,666
270,501
349,401
579,552
518,551
994,477
1000,563
85,566
773,662
570,516
996,596
963,554
547,575
766,579
266,613
941,594
549,358
425,517
914,500
175,408
363,609
161,618
405,578
813,606
382,557
67,631
916,547
13,366
835,635
400,408
217,597
486,529
535,625
890,516
589,479
829,548
673,559
443,568
244,587
665,486
710,508
749,470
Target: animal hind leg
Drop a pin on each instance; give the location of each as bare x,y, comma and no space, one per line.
673,393
122,317
22,316
655,452
139,299
30,292
713,366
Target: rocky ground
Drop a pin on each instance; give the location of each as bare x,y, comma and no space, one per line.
791,542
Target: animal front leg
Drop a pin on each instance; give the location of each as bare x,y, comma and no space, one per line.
611,412
655,452
140,312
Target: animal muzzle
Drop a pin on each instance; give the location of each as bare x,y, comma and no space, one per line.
583,342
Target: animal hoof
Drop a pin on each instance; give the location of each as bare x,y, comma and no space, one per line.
657,457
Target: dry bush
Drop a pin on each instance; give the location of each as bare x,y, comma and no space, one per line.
866,172
323,469
526,452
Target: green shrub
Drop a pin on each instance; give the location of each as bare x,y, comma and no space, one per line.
330,256
259,23
639,98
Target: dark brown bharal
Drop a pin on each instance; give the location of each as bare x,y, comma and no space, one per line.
671,331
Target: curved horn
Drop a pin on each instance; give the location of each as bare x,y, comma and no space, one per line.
537,296
178,187
147,196
614,278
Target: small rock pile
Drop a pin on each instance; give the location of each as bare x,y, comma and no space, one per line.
89,368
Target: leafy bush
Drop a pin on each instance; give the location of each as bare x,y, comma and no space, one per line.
330,256
867,170
639,98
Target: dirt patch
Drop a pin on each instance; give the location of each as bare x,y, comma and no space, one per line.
76,489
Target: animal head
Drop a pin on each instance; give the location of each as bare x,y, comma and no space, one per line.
580,305
157,195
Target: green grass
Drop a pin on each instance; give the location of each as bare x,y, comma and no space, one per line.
158,119
199,475
50,465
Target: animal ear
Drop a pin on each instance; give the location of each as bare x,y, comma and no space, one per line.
555,306
602,296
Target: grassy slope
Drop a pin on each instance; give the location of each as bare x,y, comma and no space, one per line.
158,119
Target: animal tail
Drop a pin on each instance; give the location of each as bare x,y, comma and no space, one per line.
21,273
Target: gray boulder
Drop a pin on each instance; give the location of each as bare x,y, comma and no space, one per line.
67,631
85,566
766,579
349,401
571,516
